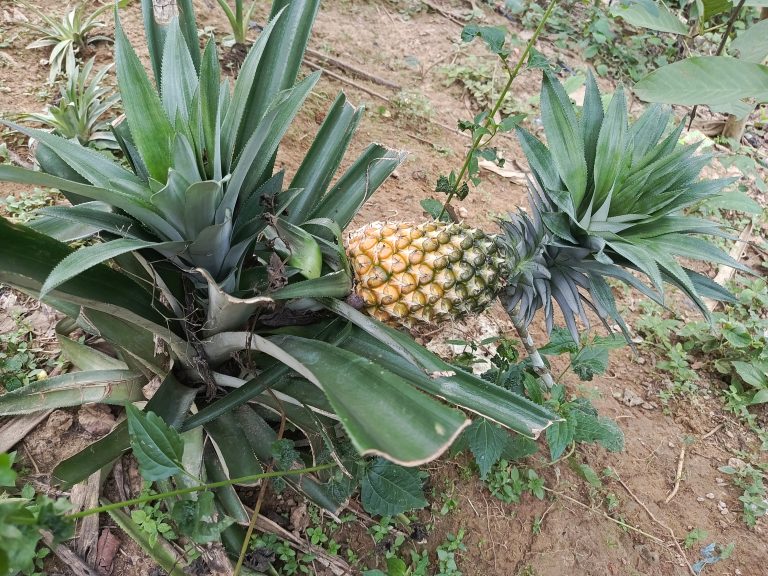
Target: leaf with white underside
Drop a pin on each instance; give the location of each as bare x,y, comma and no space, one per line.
690,82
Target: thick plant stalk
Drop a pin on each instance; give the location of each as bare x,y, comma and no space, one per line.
537,361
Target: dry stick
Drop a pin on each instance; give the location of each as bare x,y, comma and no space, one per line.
442,12
678,476
353,69
374,94
713,431
720,48
725,273
69,558
605,515
660,523
346,80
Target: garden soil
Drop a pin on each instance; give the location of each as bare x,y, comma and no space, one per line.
569,533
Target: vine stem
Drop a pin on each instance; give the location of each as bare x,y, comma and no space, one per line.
537,362
499,102
721,47
199,488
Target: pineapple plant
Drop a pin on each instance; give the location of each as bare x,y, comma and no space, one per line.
208,274
606,197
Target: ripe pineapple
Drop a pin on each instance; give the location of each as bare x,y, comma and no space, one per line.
428,272
605,196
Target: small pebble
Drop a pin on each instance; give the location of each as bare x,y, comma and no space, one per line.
700,499
710,495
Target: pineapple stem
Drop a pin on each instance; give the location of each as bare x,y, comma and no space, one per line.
490,123
537,362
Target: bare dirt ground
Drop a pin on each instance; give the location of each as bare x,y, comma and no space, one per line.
406,43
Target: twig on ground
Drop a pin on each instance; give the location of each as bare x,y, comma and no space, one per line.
678,476
340,78
353,69
71,560
86,495
17,427
713,431
725,273
660,523
605,515
442,12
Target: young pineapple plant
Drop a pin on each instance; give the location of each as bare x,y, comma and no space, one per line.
80,111
606,197
67,37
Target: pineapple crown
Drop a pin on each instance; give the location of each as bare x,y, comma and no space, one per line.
607,198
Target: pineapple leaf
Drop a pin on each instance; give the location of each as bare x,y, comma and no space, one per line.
96,216
591,119
304,251
89,256
235,107
99,287
611,148
564,137
150,128
90,165
210,116
280,63
253,165
179,78
105,386
323,159
541,163
356,185
335,285
399,354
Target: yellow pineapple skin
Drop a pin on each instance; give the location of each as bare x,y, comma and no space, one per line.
407,274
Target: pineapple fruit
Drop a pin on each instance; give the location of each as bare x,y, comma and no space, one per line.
430,272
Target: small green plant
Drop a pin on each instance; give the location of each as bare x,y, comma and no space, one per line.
239,20
447,552
68,37
22,207
508,483
694,537
412,108
734,346
21,360
153,520
754,500
484,81
80,110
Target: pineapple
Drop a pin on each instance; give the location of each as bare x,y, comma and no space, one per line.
428,272
605,196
